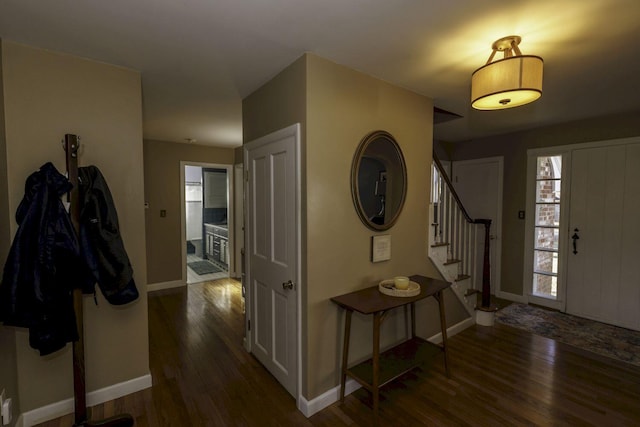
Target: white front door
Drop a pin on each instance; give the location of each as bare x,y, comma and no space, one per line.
478,183
603,279
272,251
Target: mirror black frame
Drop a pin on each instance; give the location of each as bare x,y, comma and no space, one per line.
399,165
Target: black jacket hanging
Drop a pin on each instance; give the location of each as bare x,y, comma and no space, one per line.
46,261
100,241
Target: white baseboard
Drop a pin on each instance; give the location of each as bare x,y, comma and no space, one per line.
310,407
512,297
64,407
165,285
452,330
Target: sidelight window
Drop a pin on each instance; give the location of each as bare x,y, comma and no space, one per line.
547,226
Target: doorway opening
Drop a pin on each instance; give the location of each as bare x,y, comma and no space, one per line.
581,246
207,222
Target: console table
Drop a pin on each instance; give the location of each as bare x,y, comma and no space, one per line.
384,367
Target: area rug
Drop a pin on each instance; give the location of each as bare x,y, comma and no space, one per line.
203,267
611,341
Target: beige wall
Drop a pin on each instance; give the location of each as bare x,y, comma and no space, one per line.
514,149
162,191
337,107
46,95
343,106
8,365
8,371
5,217
277,104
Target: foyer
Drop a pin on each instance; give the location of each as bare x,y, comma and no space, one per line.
502,376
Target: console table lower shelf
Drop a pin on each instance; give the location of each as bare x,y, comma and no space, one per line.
395,362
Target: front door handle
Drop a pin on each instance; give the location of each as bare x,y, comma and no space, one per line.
575,238
287,285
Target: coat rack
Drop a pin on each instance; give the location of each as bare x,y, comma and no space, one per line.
71,146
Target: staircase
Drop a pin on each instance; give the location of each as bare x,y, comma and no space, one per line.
454,241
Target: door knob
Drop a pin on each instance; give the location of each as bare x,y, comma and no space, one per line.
287,285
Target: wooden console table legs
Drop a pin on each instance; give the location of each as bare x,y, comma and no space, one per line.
375,383
345,352
443,327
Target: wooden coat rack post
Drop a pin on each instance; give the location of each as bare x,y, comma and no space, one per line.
71,146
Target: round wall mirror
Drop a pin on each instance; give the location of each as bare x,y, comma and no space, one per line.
378,180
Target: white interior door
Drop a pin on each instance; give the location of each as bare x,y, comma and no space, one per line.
603,279
479,186
273,253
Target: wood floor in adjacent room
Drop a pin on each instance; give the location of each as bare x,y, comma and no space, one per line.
501,376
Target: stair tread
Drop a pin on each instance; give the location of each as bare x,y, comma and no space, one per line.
452,261
436,245
462,277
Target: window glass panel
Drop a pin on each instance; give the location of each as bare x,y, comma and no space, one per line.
545,262
548,191
545,286
548,214
549,167
546,238
193,192
547,222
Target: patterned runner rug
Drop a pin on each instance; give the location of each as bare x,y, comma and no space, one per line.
612,341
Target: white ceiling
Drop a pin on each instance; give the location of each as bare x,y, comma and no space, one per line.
199,58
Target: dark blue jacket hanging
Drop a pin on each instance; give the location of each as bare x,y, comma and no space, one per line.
39,274
46,261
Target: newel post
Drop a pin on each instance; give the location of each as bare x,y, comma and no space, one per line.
486,265
485,313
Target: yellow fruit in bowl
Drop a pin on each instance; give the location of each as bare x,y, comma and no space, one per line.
401,282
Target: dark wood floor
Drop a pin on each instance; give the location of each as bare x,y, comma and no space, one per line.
501,376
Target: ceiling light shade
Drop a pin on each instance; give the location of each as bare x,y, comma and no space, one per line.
509,82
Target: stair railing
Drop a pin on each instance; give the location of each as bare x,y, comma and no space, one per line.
452,225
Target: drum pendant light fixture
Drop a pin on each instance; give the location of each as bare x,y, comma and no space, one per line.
509,82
